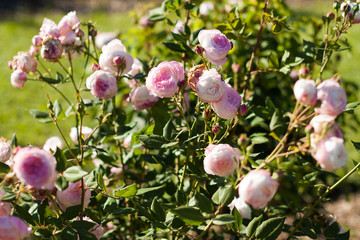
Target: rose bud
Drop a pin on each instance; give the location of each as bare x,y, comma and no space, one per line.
194,74
10,63
49,29
235,67
303,72
305,91
102,84
228,106
79,32
199,50
104,38
257,188
51,50
18,78
53,143
68,22
242,207
5,207
205,8
216,46
331,153
85,131
216,128
221,160
330,15
5,150
332,97
162,81
210,87
142,99
72,195
13,228
243,109
33,50
25,62
35,167
36,40
294,75
113,49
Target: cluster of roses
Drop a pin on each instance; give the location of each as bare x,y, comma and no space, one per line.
327,141
53,39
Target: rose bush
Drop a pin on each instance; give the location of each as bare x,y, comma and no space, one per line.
206,126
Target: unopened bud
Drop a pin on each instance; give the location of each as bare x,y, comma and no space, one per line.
182,84
79,32
231,45
207,113
243,109
10,63
95,67
309,129
199,50
330,15
216,128
242,140
336,5
93,32
51,50
303,72
36,40
118,61
236,67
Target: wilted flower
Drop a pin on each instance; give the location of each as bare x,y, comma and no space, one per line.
51,50
194,75
24,61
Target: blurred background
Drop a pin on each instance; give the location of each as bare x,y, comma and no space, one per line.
20,20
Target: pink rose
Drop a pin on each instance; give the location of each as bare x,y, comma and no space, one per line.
18,78
205,8
5,150
115,50
5,207
242,207
97,229
85,132
25,62
49,28
36,40
221,160
53,143
51,50
13,228
258,188
331,153
35,167
102,84
325,124
332,97
305,91
210,87
68,22
71,196
228,106
104,38
216,46
33,50
68,38
142,99
162,81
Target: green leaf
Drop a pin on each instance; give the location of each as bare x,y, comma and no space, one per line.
204,203
174,47
61,160
110,205
38,114
61,183
157,17
152,141
332,230
223,219
167,130
189,215
157,210
127,191
24,214
142,191
270,228
4,168
253,225
310,176
238,219
258,138
72,212
43,233
161,116
356,145
50,80
74,173
57,108
68,234
350,107
224,195
123,211
101,182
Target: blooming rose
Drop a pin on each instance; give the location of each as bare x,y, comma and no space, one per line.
53,143
115,50
142,99
35,167
228,106
85,131
331,153
257,188
210,87
5,150
221,159
5,207
242,207
102,84
332,97
68,38
325,124
216,46
49,28
305,91
104,38
51,50
13,228
205,8
68,22
71,196
162,81
25,62
18,78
